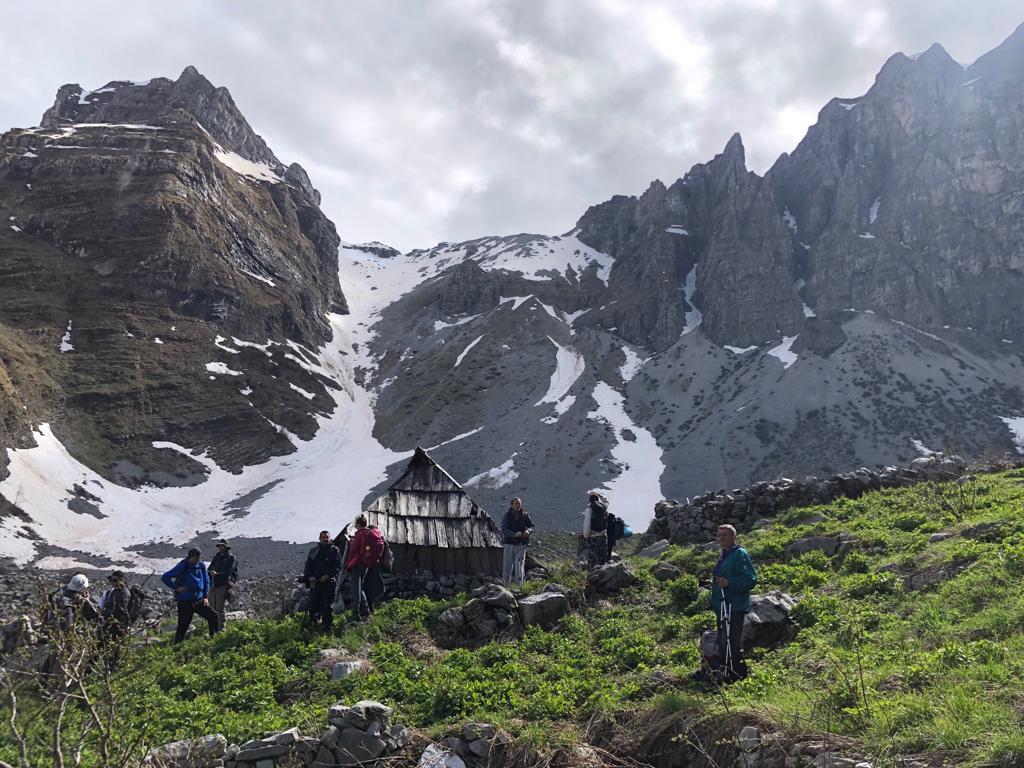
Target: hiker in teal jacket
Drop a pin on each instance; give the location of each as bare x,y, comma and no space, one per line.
733,578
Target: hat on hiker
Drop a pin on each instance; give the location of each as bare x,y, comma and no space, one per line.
194,552
116,575
78,582
223,543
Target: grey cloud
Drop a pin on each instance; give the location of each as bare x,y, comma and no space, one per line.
426,121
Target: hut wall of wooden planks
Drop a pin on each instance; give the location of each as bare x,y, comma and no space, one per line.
432,525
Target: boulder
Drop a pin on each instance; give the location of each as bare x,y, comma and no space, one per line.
665,572
496,596
610,577
544,609
475,731
355,746
767,622
435,757
343,669
188,752
654,550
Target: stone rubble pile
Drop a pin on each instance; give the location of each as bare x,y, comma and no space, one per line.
771,750
493,610
698,520
358,734
477,744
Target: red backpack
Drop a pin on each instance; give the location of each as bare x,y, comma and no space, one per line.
371,547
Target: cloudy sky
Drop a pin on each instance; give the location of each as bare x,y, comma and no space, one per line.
430,120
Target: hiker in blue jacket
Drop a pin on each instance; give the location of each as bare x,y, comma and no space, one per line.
191,585
732,579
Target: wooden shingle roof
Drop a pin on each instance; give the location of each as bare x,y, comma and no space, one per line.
427,507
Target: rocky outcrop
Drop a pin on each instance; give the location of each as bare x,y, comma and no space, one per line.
355,735
491,610
158,262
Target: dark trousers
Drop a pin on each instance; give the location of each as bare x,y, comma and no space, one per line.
367,589
186,610
611,547
321,597
737,667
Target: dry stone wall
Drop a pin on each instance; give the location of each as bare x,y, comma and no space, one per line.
697,520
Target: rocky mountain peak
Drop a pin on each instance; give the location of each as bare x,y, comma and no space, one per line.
160,101
1004,63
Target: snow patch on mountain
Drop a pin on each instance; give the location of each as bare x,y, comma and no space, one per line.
569,365
65,340
637,487
694,316
247,168
497,477
1016,426
783,351
462,355
632,365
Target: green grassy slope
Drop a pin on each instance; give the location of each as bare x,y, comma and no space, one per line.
900,671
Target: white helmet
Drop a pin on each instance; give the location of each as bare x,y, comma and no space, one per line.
78,582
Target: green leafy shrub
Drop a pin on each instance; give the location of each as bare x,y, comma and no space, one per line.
855,562
860,585
686,595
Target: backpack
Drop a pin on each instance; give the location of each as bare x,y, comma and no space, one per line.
709,645
136,597
372,548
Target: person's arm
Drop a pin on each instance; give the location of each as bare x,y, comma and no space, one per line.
744,577
335,562
529,526
204,582
586,523
171,577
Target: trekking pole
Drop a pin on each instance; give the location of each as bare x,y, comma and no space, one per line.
726,616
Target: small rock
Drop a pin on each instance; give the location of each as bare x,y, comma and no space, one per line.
435,757
343,669
665,572
655,549
750,738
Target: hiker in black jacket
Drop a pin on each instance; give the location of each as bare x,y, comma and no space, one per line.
323,564
223,572
595,530
115,607
516,527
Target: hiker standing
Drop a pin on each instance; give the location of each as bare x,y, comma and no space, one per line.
224,572
731,581
595,526
365,552
115,606
516,527
191,585
323,564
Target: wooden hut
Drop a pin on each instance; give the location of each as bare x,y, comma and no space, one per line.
432,525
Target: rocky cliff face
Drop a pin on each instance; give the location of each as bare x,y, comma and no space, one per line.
170,305
157,260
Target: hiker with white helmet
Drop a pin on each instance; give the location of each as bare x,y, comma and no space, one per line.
72,601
